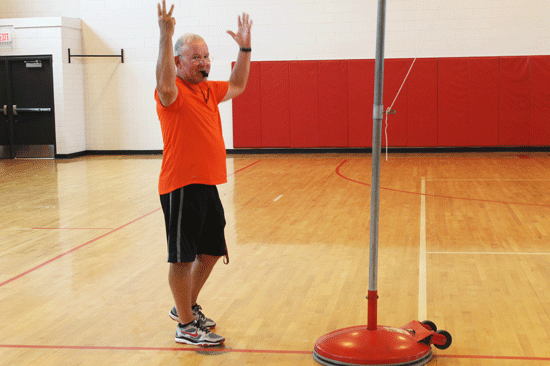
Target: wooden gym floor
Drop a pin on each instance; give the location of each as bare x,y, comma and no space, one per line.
464,242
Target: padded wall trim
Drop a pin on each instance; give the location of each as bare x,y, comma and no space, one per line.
483,110
360,102
247,116
422,104
452,99
514,103
446,102
275,103
540,101
395,71
333,103
304,104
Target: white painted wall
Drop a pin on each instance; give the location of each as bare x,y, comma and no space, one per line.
119,108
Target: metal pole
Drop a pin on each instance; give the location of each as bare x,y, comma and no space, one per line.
378,115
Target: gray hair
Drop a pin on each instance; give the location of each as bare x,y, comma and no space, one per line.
186,39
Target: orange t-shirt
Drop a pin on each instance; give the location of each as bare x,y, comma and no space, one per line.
194,150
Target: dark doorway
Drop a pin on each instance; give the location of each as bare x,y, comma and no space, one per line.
27,121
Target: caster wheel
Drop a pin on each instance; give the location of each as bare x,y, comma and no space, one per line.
430,324
447,343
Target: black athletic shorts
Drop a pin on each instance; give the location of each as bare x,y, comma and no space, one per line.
195,222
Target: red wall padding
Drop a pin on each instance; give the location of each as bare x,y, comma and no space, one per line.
304,104
275,104
360,102
422,104
395,71
540,101
483,86
247,116
514,113
452,123
481,101
333,103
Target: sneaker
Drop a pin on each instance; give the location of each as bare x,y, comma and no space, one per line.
204,321
174,314
197,313
197,335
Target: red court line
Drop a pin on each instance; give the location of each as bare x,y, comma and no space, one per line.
480,357
72,228
93,240
173,349
74,249
248,166
438,196
229,350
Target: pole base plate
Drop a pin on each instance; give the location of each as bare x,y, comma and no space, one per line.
360,346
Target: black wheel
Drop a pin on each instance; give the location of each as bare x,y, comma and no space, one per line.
430,324
447,343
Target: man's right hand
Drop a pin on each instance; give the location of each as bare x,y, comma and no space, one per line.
166,22
166,67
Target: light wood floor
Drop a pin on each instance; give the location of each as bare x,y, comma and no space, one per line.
464,242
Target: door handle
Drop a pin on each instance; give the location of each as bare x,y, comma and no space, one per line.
15,110
34,109
5,109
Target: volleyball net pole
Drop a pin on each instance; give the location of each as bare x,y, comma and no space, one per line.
372,344
378,116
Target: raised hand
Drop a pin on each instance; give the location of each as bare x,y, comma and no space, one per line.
166,22
242,37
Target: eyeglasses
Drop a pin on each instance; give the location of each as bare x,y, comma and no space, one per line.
198,59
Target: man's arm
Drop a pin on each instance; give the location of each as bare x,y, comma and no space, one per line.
166,65
239,74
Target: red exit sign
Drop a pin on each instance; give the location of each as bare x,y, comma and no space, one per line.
5,37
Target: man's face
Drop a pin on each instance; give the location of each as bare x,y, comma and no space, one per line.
193,62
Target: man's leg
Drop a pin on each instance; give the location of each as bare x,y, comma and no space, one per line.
189,330
181,284
200,271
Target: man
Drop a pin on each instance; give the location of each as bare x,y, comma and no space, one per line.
194,162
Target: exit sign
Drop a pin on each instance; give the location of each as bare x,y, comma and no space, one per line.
6,36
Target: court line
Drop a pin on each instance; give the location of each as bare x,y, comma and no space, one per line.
482,357
248,166
93,240
74,249
490,179
492,253
173,349
229,350
438,196
422,270
278,198
110,228
72,228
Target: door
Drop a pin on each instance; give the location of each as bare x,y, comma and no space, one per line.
27,101
5,118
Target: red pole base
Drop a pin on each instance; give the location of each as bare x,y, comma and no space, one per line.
373,310
361,346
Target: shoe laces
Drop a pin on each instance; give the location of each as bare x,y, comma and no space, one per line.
201,327
199,312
